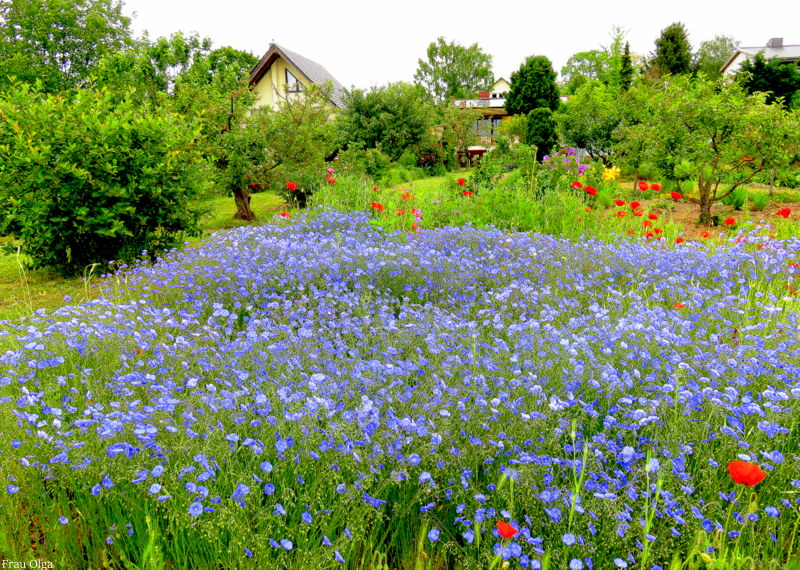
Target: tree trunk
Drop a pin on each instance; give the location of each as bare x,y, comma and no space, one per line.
772,183
243,211
705,203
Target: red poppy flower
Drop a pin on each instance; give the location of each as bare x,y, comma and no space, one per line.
414,227
656,187
406,196
467,193
730,221
400,211
291,186
285,215
377,206
649,235
461,181
631,232
784,213
658,230
676,196
679,240
705,235
138,351
505,529
647,224
619,202
588,209
577,185
590,191
652,216
679,305
331,180
375,188
634,205
642,185
638,213
620,214
745,473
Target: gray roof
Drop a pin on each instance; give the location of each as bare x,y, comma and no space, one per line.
313,72
787,53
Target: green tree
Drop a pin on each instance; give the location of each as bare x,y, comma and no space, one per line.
390,118
778,80
86,178
533,85
712,55
673,51
626,69
583,67
453,71
541,131
588,120
56,42
714,133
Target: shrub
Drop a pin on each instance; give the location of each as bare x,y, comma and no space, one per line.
85,180
737,198
541,131
760,201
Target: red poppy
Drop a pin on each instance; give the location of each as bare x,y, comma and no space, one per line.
377,206
414,227
331,180
647,224
679,305
638,213
634,205
649,235
631,232
461,181
406,196
620,214
375,188
400,211
505,529
138,351
467,193
577,185
642,185
745,473
652,216
676,196
656,187
285,215
291,186
590,191
619,202
588,209
705,235
658,231
730,221
784,213
679,240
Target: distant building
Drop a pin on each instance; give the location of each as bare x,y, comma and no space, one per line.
280,70
492,105
775,49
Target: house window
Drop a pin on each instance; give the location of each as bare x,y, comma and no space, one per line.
293,83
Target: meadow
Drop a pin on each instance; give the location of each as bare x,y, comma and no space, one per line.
328,390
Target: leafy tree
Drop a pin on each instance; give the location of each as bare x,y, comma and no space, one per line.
714,133
778,80
589,119
541,132
626,69
713,54
583,67
56,42
391,118
673,51
453,71
533,86
87,178
458,126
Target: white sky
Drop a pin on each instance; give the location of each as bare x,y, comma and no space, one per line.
365,43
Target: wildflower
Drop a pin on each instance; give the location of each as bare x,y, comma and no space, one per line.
331,180
655,187
374,188
400,211
330,171
620,214
676,196
285,215
377,206
642,185
652,216
679,305
406,195
638,213
784,213
679,240
196,509
505,529
461,182
745,473
634,205
433,534
63,520
291,186
588,209
730,221
577,185
467,193
591,191
568,539
705,235
619,202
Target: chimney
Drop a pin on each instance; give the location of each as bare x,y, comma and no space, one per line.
775,43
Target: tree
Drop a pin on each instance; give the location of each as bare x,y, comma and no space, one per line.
712,132
673,51
589,119
390,118
626,69
583,67
458,126
453,71
56,42
777,80
713,54
533,86
541,131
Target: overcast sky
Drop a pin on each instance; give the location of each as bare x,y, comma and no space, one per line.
365,42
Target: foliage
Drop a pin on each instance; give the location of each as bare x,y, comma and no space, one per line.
712,55
453,71
779,81
514,127
541,131
58,43
588,120
458,126
673,51
626,71
533,86
712,132
390,118
584,67
87,179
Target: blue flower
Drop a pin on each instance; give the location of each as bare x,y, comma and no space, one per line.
196,509
568,539
63,520
433,534
286,544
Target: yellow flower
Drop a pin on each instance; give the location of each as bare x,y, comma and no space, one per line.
611,174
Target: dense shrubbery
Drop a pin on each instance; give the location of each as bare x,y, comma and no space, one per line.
85,179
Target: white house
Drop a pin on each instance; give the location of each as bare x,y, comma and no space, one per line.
775,49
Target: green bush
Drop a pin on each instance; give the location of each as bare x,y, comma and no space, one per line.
760,201
397,175
737,198
541,131
84,180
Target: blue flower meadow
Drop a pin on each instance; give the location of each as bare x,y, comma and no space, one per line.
322,392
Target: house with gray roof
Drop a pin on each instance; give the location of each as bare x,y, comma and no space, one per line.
281,73
775,49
